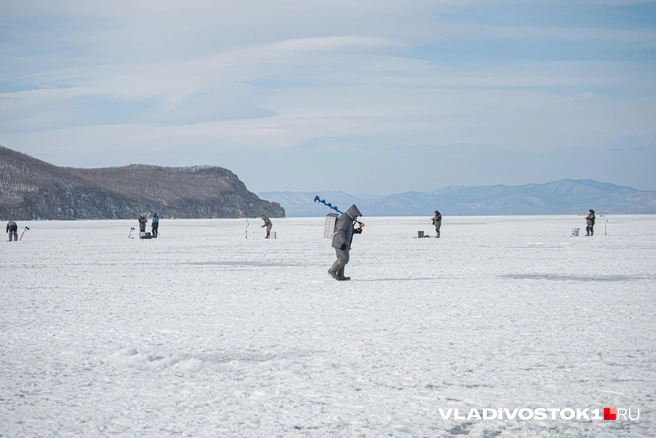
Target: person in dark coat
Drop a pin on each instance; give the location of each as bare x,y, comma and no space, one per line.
268,225
344,230
589,223
12,229
142,223
154,225
437,221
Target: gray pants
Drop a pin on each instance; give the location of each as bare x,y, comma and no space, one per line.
13,235
343,255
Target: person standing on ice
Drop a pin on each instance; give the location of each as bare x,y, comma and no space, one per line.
154,225
344,230
142,223
12,229
437,221
268,225
589,223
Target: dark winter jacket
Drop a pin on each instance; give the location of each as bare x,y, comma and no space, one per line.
142,223
437,220
155,219
344,228
11,226
267,222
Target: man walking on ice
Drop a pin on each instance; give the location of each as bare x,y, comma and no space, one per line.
344,230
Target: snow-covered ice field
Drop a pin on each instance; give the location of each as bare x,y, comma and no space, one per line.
203,333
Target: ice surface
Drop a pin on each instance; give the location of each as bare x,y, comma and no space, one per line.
204,333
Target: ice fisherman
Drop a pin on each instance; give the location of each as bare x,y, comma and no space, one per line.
437,221
342,238
12,229
589,223
142,223
154,225
268,225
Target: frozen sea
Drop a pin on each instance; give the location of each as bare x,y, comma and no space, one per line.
206,333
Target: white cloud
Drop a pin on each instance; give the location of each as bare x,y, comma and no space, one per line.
516,119
262,74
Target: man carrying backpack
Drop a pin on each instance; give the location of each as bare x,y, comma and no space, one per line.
344,230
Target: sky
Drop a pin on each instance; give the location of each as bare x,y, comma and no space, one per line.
361,96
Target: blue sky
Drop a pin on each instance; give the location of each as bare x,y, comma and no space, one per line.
352,95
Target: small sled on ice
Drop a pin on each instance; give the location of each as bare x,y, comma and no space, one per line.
142,234
147,235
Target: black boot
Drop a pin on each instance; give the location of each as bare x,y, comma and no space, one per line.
333,271
340,274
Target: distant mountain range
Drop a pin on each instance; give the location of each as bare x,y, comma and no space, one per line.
559,197
34,189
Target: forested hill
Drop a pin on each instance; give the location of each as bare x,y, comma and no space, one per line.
33,189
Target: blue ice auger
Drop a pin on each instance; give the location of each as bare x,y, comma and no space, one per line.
334,207
327,204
